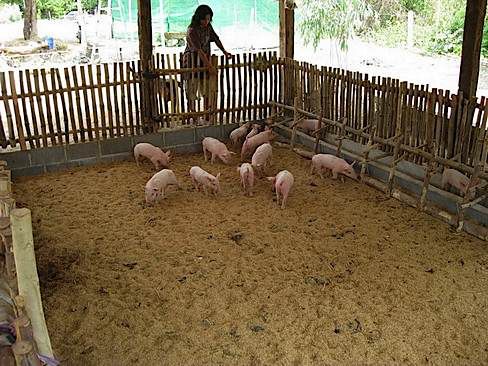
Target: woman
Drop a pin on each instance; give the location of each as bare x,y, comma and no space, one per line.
197,54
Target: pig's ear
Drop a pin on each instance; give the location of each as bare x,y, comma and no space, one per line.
353,163
218,176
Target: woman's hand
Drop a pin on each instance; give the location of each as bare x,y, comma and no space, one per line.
227,55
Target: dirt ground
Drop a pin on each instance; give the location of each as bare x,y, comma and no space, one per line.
342,276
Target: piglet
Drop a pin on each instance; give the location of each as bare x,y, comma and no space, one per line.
200,178
324,162
247,177
458,180
216,148
252,143
239,133
158,157
282,184
309,125
254,131
261,159
157,185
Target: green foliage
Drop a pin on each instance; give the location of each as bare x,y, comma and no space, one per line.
337,20
417,6
53,8
57,8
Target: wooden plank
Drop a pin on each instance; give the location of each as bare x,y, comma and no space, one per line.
128,77
255,87
33,115
275,81
109,101
123,99
40,108
101,102
136,98
23,103
172,96
234,118
63,105
175,83
57,117
96,125
8,112
86,103
118,127
221,90
79,113
228,90
240,94
49,116
445,123
18,118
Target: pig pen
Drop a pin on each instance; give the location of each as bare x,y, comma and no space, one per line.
343,275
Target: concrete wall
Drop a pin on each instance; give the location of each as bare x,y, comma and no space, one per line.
38,161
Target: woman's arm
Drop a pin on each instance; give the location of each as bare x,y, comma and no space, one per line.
215,38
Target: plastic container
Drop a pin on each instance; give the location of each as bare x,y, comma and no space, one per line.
50,43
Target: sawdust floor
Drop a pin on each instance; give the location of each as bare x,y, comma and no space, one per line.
342,276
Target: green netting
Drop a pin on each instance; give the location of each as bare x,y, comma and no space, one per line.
175,15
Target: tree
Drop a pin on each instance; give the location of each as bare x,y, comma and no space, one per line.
30,19
334,19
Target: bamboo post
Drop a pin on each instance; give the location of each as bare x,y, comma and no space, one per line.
318,134
366,152
398,142
295,122
6,236
341,137
24,347
213,90
430,169
28,281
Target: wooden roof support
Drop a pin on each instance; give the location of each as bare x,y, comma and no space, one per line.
287,28
470,58
144,24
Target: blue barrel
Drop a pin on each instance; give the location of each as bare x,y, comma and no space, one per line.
50,43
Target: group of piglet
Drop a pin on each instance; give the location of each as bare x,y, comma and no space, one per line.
256,143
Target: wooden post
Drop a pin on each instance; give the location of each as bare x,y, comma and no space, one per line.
398,142
430,169
213,92
145,53
287,28
28,281
470,56
295,122
287,44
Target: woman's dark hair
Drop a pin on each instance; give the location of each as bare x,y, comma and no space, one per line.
200,13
